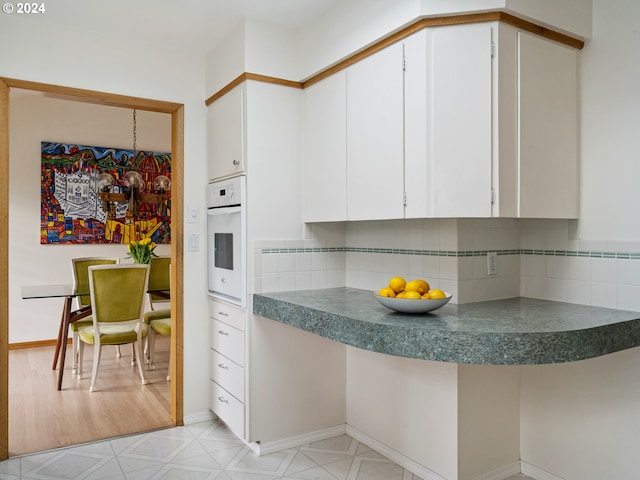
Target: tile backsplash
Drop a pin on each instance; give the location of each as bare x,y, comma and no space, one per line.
535,258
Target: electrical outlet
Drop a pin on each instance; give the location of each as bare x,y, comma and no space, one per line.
492,263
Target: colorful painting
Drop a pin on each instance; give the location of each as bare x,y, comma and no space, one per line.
71,211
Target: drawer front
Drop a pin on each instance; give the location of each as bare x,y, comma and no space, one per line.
227,407
228,341
227,374
226,313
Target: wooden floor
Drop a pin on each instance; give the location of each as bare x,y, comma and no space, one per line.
42,418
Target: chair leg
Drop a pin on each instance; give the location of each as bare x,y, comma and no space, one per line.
169,370
80,357
151,346
75,350
97,350
118,354
137,351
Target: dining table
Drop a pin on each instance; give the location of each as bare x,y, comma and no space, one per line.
68,292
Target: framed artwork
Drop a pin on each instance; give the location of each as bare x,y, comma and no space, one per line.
71,212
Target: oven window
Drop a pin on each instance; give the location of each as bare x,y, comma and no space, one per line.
223,257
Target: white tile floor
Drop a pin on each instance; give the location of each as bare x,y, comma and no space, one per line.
205,451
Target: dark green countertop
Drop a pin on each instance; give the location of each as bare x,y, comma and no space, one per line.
515,331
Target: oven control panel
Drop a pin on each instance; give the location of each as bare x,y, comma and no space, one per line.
225,193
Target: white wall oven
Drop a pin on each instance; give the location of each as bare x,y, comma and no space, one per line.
226,240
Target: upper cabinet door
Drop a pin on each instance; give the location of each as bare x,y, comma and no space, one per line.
460,106
417,164
324,170
226,138
375,163
548,130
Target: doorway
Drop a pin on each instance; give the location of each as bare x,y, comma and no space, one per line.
177,147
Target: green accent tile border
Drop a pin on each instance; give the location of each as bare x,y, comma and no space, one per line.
459,253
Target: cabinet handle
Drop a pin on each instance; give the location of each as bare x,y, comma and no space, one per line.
223,400
224,314
222,332
236,162
222,365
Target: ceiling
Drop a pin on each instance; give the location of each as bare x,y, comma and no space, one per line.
194,25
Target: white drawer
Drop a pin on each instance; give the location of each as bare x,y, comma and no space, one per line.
226,313
227,407
228,341
227,374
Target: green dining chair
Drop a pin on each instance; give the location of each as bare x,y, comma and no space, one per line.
159,322
118,294
80,268
159,279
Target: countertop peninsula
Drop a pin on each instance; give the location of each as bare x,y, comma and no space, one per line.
514,331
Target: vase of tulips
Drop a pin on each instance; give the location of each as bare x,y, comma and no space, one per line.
141,251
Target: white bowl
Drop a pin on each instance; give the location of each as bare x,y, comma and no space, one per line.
412,306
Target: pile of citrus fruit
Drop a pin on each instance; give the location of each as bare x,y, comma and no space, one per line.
412,290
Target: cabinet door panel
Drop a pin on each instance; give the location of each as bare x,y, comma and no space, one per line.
460,117
375,164
548,157
325,150
227,374
227,340
416,139
225,124
227,407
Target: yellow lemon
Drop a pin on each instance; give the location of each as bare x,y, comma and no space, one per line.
436,294
411,295
387,292
415,286
397,284
425,296
425,285
401,294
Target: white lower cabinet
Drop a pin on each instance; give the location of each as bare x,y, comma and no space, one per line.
226,364
228,374
227,407
227,340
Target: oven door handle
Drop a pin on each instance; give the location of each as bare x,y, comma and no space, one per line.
223,211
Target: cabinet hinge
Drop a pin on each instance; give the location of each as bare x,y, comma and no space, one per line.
404,62
404,199
493,196
493,49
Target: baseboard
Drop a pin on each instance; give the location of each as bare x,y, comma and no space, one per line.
502,472
405,462
34,344
401,460
538,473
296,441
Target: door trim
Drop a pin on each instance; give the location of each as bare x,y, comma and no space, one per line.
176,110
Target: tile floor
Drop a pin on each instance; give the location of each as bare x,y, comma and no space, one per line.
205,451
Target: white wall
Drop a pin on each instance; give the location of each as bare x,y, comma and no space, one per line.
35,119
581,420
112,62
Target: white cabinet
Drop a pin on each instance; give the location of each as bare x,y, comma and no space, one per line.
226,134
448,114
482,122
460,105
324,169
547,128
226,364
375,155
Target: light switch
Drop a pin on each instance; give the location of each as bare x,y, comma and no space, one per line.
194,242
192,214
